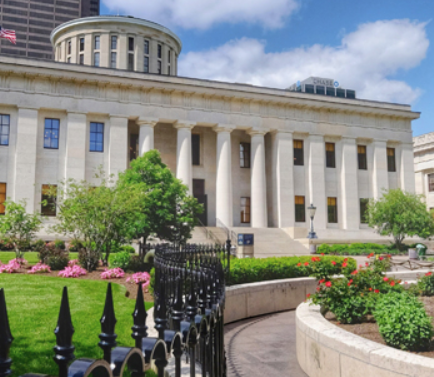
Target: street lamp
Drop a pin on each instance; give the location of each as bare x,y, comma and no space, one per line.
312,235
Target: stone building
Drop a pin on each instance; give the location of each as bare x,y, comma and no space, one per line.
424,167
255,157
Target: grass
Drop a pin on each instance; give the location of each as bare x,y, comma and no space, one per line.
33,303
30,256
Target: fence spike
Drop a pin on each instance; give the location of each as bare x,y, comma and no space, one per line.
139,316
6,338
108,323
64,350
160,309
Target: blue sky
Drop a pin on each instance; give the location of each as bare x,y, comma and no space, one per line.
381,48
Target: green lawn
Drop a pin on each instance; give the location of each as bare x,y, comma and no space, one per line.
30,256
33,303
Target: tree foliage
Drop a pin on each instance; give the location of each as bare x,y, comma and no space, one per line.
400,214
169,212
19,226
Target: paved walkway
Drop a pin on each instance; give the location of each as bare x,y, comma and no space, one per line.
262,347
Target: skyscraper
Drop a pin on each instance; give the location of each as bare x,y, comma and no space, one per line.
33,21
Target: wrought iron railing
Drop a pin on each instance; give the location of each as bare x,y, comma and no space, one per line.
189,293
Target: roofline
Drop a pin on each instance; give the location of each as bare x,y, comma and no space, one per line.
120,19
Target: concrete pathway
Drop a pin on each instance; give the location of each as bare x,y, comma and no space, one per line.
262,347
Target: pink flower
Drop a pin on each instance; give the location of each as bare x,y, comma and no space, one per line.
386,278
12,267
140,277
392,283
428,273
321,281
344,264
73,262
72,272
333,263
39,268
367,264
114,273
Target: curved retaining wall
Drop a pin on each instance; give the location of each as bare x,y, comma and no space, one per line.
325,350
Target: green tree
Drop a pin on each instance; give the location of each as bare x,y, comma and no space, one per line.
169,212
103,217
400,214
19,226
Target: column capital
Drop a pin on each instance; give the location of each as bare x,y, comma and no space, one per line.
224,128
149,122
257,131
184,124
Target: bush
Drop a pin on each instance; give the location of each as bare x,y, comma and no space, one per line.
250,270
54,257
6,245
356,249
425,284
59,244
75,246
128,249
89,259
136,265
403,322
38,246
121,260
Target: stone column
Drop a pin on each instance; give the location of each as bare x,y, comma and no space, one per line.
380,176
146,135
118,147
224,198
283,179
75,154
26,157
350,202
317,194
258,200
183,154
407,168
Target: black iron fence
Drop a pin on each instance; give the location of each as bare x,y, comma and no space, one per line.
189,295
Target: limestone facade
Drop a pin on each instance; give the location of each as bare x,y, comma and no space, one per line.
424,167
140,112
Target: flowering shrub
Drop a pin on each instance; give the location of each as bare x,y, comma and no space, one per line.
56,258
121,260
39,269
424,286
20,261
140,277
72,272
12,267
114,273
73,262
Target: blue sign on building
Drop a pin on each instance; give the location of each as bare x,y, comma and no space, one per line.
245,239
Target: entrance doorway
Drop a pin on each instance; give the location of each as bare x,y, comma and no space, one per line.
199,194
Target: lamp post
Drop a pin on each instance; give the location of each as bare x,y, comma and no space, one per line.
312,235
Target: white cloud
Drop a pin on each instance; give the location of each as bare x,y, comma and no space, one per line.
366,60
202,14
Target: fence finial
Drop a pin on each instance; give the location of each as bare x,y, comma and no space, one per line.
6,338
139,316
64,349
108,323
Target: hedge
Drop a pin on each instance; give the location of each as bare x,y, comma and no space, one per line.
357,249
251,270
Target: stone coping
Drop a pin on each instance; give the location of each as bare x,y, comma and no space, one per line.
325,350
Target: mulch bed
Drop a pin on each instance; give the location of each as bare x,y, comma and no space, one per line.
95,275
369,330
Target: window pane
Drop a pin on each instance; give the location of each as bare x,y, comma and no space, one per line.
320,89
81,44
51,133
300,209
4,129
159,51
364,211
330,155
195,149
146,47
361,153
81,59
298,153
244,155
97,42
391,165
2,198
113,60
131,62
114,42
146,65
309,88
431,182
159,67
97,137
96,59
245,210
130,44
332,209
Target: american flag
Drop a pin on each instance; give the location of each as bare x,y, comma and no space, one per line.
8,34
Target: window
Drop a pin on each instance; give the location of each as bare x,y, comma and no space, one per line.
69,47
320,89
131,62
391,165
81,59
245,210
51,133
330,155
113,58
430,182
114,42
96,59
332,209
81,44
159,67
146,47
2,198
244,155
298,153
159,51
130,44
309,88
364,211
300,209
361,154
48,205
97,42
330,91
146,65
340,93
195,149
351,94
169,55
5,121
97,137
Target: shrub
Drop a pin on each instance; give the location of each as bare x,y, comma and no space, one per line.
403,322
121,260
425,284
38,246
75,246
128,249
89,259
114,273
72,272
39,268
136,264
140,277
6,245
356,249
10,268
54,257
59,244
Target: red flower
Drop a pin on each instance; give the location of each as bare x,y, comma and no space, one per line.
322,254
370,255
328,284
392,283
308,295
349,284
317,288
386,278
377,291
321,281
346,260
366,264
344,264
298,264
370,289
333,263
428,273
354,272
381,258
351,280
360,266
306,263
